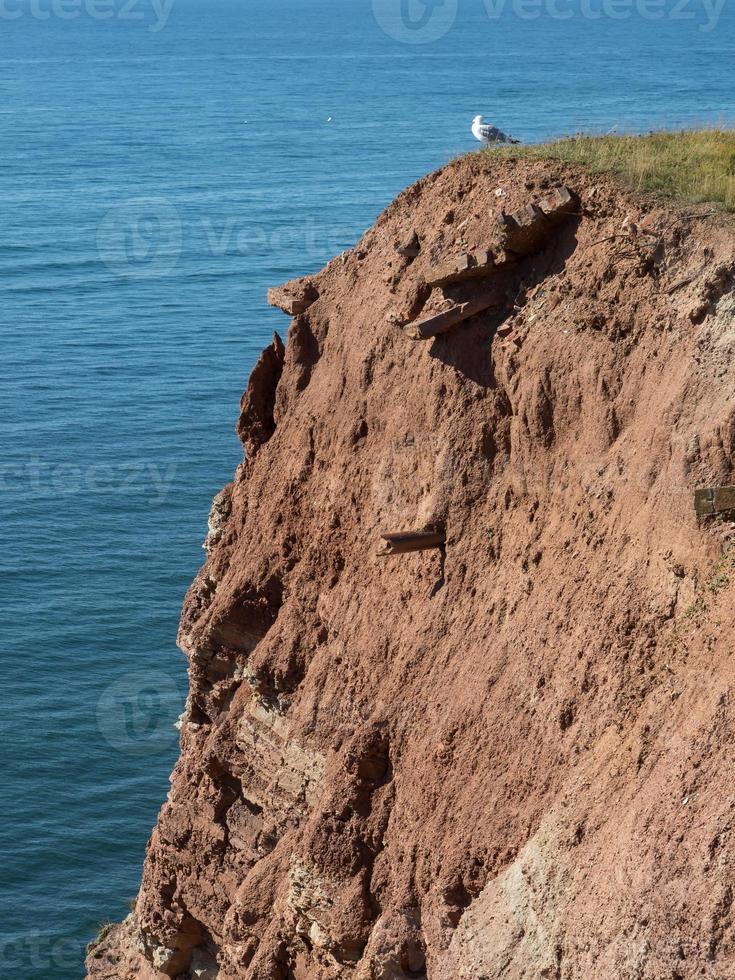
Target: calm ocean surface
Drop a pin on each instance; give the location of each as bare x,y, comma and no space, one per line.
159,172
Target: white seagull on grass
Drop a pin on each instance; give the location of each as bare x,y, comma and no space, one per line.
489,135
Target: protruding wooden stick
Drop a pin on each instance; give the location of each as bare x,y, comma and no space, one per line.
444,321
405,542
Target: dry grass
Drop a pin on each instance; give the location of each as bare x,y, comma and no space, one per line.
691,166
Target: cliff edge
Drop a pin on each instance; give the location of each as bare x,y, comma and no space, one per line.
509,755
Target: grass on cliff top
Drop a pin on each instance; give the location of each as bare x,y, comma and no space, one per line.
692,166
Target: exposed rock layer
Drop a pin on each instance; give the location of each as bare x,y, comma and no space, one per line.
510,757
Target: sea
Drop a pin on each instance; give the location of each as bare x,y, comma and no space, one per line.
163,163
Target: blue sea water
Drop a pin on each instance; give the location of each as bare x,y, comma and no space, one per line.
159,172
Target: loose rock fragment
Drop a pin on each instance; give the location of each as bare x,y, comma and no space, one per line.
527,230
561,201
411,247
468,265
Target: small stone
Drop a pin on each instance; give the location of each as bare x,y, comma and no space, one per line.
318,936
161,956
203,966
699,312
411,247
629,226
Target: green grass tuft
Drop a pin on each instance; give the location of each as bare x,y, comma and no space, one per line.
722,572
104,931
692,166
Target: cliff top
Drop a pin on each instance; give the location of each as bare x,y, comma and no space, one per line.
691,166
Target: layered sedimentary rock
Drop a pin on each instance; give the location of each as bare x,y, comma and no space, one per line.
509,756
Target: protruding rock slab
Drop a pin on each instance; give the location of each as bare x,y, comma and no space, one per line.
468,265
527,230
406,542
714,500
293,297
442,322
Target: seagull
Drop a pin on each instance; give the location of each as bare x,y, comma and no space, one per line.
489,135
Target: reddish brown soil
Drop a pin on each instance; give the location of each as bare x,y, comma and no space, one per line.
515,761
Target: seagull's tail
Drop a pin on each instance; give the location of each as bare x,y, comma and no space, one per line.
511,140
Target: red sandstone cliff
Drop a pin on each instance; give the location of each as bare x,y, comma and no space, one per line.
512,759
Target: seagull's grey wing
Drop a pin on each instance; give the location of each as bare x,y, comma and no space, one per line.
491,133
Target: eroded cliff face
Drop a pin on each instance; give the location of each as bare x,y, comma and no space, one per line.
512,758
